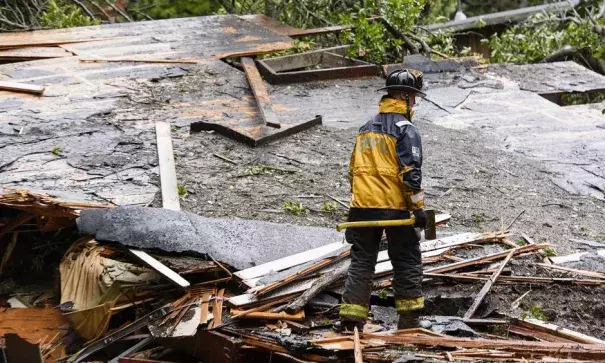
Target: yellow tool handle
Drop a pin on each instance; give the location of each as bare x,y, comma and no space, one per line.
385,223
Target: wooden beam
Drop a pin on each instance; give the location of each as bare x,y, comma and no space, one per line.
574,271
22,88
42,42
573,350
297,275
322,283
161,268
511,279
260,93
358,354
22,218
170,194
380,270
553,329
8,251
436,247
300,316
287,262
484,259
488,285
138,60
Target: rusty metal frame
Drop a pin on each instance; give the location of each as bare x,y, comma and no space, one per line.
244,134
286,69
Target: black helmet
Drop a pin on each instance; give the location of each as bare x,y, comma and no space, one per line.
405,80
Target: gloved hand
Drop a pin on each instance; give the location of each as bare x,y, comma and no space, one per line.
420,218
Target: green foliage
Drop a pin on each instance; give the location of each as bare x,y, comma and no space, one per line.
260,169
165,9
383,294
56,151
62,15
439,11
182,191
543,34
295,208
443,41
328,207
534,312
477,218
299,46
371,39
550,252
582,98
520,242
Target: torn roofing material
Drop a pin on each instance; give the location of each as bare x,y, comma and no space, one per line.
238,243
91,132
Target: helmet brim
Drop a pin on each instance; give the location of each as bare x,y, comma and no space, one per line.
403,88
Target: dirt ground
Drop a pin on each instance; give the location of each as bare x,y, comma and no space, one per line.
483,187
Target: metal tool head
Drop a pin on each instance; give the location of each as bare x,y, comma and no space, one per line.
430,231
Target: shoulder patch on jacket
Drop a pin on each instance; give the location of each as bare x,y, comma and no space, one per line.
403,123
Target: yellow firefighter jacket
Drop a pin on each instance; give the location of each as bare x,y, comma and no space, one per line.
385,168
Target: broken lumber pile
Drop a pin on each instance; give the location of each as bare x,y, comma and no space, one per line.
129,304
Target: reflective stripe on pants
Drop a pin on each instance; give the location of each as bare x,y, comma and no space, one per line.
353,312
405,305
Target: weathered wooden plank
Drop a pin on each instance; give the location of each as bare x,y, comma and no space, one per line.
432,248
33,53
358,354
21,87
575,257
138,60
43,42
574,271
287,262
300,316
574,350
260,93
483,259
161,268
569,334
170,195
299,274
488,285
385,268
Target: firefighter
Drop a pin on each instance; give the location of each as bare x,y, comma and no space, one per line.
385,176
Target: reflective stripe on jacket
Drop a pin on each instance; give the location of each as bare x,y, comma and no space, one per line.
385,168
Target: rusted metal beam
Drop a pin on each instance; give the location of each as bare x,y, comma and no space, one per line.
260,93
255,135
290,68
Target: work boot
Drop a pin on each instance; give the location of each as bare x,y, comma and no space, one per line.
343,326
409,320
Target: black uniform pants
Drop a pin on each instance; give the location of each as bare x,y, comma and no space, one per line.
404,253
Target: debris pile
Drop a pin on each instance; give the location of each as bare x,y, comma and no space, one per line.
128,294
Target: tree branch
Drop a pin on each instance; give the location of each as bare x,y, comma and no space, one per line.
118,10
425,46
83,7
408,43
107,17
